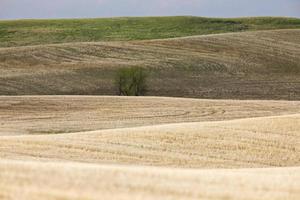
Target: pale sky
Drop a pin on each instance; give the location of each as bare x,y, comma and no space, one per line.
15,9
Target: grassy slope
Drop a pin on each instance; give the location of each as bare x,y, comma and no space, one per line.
32,32
248,65
32,181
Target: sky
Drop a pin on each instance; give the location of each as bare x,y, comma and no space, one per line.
20,9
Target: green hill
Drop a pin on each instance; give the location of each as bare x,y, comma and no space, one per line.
34,32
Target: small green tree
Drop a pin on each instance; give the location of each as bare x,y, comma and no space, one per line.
131,81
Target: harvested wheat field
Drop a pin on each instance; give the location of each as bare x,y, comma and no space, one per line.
238,140
56,180
81,147
67,114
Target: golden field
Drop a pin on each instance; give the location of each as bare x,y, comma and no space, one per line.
75,147
63,114
57,180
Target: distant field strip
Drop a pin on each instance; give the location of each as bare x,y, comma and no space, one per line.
37,180
66,114
248,65
33,32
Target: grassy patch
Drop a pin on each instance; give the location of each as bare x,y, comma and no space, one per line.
33,32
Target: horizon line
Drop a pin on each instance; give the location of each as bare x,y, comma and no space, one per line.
145,16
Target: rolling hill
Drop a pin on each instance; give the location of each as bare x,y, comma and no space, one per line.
35,115
248,65
33,32
223,134
244,143
238,138
232,150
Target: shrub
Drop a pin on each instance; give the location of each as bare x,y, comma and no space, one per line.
131,81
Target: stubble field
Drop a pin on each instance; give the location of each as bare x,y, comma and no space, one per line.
242,144
62,147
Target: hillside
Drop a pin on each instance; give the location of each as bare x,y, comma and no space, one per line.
244,143
83,147
231,133
115,163
223,134
33,32
248,65
22,115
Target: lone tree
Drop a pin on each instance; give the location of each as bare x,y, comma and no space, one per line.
131,81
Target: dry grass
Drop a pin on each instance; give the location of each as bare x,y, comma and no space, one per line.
67,114
36,180
249,65
257,142
113,161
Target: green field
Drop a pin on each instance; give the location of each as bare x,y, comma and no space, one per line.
34,32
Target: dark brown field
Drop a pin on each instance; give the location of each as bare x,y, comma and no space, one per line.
250,65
